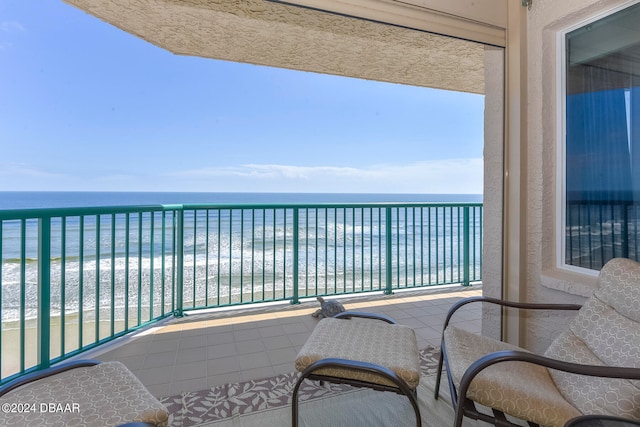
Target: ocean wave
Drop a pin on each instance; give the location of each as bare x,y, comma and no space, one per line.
29,260
227,280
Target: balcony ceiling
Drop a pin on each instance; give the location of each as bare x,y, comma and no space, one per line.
278,35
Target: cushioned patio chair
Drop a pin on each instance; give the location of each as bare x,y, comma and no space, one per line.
589,368
83,392
363,350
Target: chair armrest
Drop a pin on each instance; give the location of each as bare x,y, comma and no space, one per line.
522,356
504,303
350,314
137,424
36,375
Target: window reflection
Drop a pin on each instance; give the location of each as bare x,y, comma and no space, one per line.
603,140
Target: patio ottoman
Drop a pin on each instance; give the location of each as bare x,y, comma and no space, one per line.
361,352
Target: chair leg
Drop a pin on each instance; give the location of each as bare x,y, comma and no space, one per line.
294,402
413,399
411,394
439,374
459,413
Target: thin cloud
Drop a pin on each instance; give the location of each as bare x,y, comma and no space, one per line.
269,171
117,179
452,176
11,26
437,176
24,170
26,177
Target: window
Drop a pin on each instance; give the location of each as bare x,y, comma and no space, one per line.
601,203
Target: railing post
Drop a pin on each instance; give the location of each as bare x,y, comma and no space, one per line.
466,244
44,292
180,264
296,236
388,253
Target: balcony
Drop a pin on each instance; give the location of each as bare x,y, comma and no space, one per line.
209,357
172,291
207,350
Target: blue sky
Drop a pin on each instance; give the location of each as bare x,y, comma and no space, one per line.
85,106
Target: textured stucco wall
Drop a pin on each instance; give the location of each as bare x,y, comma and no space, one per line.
544,282
493,188
272,34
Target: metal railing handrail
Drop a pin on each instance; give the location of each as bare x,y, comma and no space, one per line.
32,213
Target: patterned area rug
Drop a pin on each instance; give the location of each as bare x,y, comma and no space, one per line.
207,406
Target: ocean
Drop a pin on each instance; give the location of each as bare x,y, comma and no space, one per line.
67,199
230,255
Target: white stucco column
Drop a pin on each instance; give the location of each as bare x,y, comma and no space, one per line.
492,266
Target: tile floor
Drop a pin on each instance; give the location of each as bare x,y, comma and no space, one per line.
200,351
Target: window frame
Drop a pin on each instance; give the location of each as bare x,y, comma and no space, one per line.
561,134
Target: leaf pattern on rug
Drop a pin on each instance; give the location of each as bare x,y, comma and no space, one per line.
228,400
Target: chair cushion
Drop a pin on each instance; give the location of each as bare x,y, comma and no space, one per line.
618,287
606,331
107,394
519,389
392,346
592,395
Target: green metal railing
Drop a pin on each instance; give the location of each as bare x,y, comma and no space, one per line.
73,279
597,231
